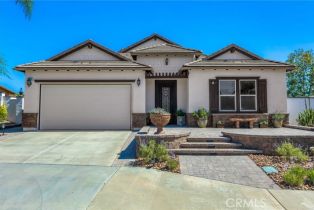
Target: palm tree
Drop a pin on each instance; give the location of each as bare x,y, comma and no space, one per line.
27,6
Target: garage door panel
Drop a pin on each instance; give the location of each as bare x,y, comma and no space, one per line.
85,107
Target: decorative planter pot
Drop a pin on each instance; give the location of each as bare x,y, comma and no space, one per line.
202,123
181,120
160,120
263,126
277,123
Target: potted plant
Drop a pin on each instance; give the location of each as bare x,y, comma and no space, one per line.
180,117
201,117
220,124
277,119
160,118
263,123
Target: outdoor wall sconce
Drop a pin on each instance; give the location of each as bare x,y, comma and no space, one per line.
29,81
138,82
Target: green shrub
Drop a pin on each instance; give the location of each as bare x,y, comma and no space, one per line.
306,118
153,152
180,112
310,176
172,164
295,176
158,111
3,113
263,122
278,116
202,113
287,150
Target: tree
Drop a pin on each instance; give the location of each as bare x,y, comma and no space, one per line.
27,6
3,113
301,80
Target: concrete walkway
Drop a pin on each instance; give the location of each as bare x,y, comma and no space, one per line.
232,169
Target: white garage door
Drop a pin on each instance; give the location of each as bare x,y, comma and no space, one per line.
85,106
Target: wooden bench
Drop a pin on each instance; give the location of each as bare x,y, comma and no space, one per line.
237,121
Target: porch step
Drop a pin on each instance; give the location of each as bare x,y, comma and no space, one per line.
210,145
209,139
193,151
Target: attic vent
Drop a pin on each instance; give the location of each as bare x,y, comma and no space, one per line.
166,61
89,46
232,50
134,57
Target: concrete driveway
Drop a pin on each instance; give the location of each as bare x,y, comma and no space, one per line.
72,148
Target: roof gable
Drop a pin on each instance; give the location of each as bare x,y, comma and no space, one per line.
88,50
234,52
154,39
165,48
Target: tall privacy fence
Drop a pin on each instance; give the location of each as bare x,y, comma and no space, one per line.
297,105
14,106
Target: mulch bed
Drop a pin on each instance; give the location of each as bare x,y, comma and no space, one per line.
158,165
282,166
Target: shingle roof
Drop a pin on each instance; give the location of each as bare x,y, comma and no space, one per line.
153,36
234,47
83,64
88,42
164,48
237,63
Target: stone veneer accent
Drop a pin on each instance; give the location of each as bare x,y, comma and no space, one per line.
171,140
225,118
268,143
29,120
139,120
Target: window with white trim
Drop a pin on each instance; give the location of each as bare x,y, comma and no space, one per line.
227,95
248,98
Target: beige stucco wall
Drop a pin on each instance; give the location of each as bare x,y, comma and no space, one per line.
198,86
149,43
230,56
181,94
157,62
89,54
31,104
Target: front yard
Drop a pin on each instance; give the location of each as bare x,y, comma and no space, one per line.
283,165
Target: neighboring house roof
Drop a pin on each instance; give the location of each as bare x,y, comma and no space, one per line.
6,91
252,61
83,64
55,62
164,48
234,47
153,36
88,43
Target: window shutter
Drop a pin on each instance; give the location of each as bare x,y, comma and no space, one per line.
262,96
213,96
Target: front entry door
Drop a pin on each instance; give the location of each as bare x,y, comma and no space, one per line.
166,97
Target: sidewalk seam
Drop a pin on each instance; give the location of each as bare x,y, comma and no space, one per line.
102,187
276,199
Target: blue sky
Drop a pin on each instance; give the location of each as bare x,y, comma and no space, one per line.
270,29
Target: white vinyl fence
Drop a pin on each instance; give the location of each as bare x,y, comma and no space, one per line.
297,105
14,106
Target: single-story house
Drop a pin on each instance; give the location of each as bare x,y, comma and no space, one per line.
6,92
92,87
